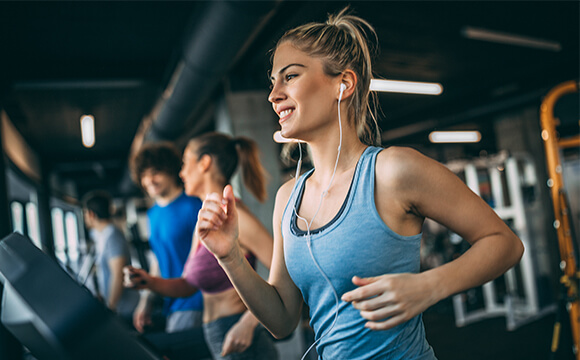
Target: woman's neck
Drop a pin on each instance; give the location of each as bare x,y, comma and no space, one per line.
324,154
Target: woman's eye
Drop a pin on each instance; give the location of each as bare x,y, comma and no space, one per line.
290,76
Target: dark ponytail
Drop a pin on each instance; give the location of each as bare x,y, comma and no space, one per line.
228,153
253,173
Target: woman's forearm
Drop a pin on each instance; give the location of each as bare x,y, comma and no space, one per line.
175,287
263,299
487,259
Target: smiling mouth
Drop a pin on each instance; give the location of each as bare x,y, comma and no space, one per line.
285,113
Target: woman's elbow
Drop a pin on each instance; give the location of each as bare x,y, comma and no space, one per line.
517,249
280,334
188,289
182,288
282,329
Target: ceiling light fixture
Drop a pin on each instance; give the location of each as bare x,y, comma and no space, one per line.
407,87
511,39
455,136
88,130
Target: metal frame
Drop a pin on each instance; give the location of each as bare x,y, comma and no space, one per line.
517,309
553,145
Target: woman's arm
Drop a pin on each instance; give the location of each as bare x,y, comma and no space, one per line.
447,200
413,187
254,236
142,313
175,287
241,335
276,304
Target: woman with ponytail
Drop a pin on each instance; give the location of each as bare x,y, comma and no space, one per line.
231,332
347,233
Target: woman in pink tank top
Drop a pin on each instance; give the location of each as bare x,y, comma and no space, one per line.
230,330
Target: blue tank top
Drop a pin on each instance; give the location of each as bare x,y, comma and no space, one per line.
172,227
355,242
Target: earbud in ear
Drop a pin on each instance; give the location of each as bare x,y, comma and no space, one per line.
342,87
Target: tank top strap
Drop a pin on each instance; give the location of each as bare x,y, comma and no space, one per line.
363,193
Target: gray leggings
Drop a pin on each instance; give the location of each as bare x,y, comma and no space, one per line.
183,320
262,345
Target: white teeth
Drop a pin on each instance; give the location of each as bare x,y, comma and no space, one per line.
285,113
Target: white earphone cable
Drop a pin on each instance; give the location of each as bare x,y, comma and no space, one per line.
309,223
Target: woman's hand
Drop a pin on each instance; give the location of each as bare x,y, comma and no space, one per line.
135,278
217,223
240,335
142,316
389,300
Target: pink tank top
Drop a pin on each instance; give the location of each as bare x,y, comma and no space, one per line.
203,271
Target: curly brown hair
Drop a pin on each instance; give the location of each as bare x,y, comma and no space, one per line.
162,157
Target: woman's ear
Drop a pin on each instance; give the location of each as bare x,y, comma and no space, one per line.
204,162
349,80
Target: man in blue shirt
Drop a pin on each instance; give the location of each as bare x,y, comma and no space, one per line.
172,221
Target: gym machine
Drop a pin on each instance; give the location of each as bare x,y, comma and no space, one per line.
554,143
508,183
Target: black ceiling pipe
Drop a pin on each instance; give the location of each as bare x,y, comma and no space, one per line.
219,36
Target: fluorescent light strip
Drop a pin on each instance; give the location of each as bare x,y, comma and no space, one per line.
88,130
407,87
455,136
511,39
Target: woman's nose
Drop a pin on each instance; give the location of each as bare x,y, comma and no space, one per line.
276,94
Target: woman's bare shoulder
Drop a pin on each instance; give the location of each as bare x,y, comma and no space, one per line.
398,154
396,163
282,197
284,191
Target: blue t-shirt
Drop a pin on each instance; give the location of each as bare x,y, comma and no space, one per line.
356,242
171,233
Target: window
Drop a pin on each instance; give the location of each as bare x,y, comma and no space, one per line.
17,211
23,206
59,234
72,236
32,224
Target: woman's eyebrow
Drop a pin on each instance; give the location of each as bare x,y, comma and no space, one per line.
286,68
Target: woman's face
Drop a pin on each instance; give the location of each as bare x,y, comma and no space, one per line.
302,95
189,174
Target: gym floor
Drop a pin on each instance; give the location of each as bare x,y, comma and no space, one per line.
490,340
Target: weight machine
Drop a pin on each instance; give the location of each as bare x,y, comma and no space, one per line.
508,183
553,146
